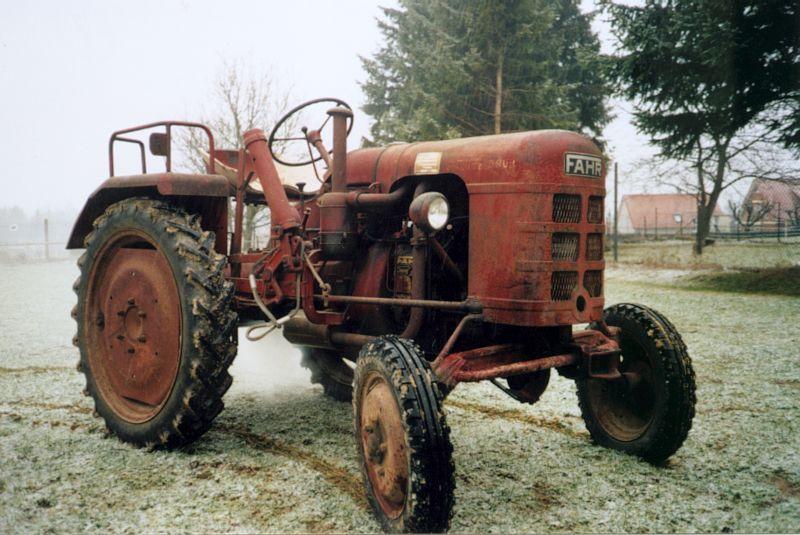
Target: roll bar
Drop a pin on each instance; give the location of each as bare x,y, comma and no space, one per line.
165,150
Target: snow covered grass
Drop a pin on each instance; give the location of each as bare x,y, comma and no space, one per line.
727,254
281,457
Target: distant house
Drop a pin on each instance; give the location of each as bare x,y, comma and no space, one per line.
782,200
664,214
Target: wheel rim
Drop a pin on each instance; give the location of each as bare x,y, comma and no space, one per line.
132,326
625,408
384,445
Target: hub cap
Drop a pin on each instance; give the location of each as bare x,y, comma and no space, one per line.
626,407
384,444
133,326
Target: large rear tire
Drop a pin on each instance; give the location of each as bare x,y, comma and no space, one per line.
650,412
156,327
402,438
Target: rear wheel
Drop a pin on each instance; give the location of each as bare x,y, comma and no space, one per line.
402,437
156,328
649,411
329,370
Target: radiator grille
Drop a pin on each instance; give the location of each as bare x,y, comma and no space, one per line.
566,208
594,214
564,246
594,247
563,283
593,282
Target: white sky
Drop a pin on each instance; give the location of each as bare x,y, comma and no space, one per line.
71,72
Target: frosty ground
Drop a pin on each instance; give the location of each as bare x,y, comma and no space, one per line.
281,457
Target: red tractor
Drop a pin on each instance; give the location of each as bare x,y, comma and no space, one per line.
413,268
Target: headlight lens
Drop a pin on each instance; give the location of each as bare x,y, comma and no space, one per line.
438,213
429,211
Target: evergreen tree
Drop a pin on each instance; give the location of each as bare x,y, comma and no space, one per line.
713,82
452,68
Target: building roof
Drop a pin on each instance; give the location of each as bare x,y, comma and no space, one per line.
781,196
643,209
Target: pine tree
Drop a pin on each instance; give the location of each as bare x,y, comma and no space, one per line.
452,68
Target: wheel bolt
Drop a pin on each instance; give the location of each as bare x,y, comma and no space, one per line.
120,313
131,301
141,314
142,338
120,337
131,350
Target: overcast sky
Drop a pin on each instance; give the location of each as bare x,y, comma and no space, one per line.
71,72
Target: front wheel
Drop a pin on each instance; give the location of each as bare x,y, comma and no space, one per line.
649,411
402,438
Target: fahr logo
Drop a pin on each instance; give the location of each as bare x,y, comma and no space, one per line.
583,165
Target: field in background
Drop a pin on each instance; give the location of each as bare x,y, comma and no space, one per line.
728,254
281,457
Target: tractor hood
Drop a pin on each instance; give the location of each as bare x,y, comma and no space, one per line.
524,157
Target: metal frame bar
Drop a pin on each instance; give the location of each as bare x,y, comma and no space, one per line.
116,136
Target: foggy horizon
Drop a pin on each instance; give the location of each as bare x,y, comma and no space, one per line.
75,72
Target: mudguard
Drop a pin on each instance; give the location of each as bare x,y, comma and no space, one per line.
186,189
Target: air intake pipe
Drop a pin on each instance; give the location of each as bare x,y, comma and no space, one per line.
283,213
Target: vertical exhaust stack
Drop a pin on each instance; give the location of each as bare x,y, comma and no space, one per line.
338,238
283,213
339,170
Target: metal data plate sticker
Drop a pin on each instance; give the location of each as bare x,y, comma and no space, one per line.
427,163
583,165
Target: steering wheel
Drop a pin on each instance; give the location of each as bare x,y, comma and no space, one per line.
273,139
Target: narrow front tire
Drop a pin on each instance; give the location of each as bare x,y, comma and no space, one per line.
649,411
402,438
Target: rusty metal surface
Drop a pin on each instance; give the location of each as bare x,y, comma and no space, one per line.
283,214
467,306
340,131
501,360
151,185
168,125
512,180
597,355
135,331
382,435
626,405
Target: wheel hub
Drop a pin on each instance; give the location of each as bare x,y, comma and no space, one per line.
136,338
625,407
384,443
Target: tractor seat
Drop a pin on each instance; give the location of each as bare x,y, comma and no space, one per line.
226,164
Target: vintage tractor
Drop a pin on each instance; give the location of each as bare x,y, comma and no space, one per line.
422,264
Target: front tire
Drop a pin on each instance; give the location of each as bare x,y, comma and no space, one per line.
156,327
650,411
402,438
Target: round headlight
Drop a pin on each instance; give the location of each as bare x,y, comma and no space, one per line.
429,211
438,212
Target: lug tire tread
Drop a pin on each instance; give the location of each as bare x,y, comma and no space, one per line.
679,380
432,480
187,414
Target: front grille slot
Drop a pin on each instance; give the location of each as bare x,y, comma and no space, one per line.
594,247
594,214
593,282
564,246
562,285
566,208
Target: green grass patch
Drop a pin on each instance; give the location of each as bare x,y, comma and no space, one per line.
774,281
744,255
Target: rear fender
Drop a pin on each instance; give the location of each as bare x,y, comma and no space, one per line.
205,195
